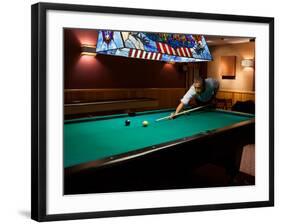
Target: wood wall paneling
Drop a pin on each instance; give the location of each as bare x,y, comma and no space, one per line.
167,97
236,95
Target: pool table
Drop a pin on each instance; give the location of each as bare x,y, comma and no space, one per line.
103,148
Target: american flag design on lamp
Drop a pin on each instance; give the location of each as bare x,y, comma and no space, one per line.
167,49
135,53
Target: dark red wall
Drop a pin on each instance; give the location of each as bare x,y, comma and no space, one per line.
103,71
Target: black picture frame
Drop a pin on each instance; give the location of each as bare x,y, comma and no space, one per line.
39,114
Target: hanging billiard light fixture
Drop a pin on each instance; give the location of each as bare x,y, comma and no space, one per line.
153,46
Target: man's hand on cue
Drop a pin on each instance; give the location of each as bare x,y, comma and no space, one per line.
173,115
179,108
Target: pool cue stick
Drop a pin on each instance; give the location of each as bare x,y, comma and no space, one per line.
184,112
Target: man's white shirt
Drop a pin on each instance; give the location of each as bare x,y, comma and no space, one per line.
210,87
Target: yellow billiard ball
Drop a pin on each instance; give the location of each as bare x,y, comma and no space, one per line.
145,123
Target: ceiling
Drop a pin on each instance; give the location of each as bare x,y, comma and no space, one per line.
223,40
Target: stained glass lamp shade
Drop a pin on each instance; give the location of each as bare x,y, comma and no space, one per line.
154,46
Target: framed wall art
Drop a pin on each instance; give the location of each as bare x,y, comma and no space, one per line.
131,114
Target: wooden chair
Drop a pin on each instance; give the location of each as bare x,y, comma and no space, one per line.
228,103
220,103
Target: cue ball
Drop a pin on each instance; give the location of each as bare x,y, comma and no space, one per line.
145,123
127,122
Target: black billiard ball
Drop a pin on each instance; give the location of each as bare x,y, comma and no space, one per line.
127,122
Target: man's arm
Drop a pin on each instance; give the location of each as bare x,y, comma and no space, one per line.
184,101
179,108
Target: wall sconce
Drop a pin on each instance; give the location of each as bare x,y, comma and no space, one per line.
247,63
88,50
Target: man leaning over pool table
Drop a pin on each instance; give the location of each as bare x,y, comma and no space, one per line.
202,90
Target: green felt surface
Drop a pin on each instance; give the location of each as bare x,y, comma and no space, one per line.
93,139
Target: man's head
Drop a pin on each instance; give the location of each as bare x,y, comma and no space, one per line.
199,85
